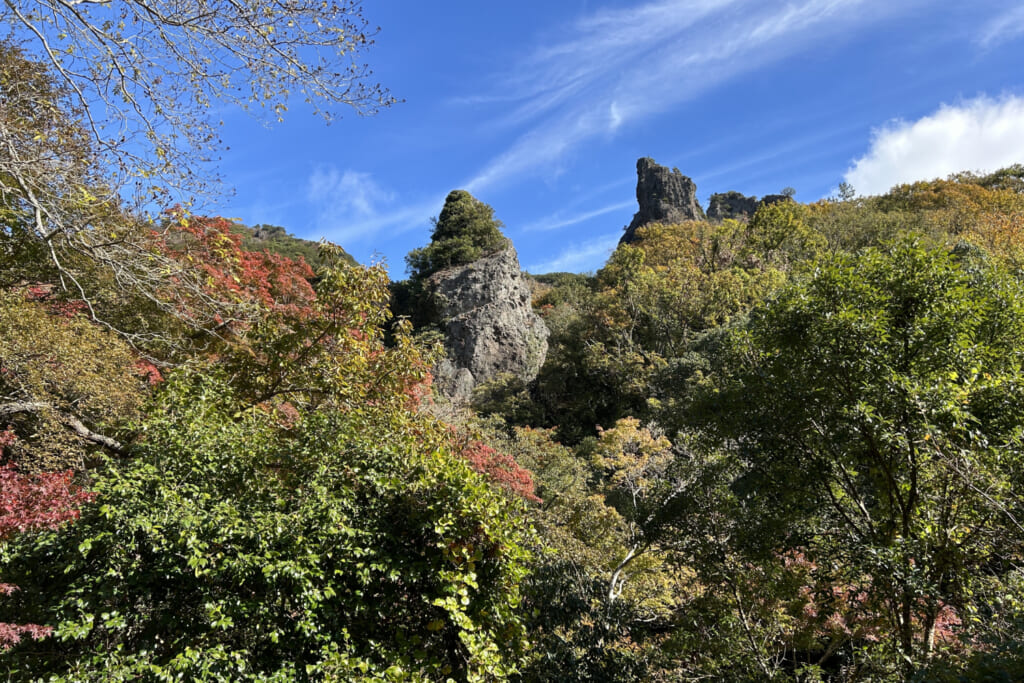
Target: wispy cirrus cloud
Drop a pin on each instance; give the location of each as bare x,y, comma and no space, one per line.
614,68
982,134
561,220
597,45
351,207
348,191
1002,28
580,257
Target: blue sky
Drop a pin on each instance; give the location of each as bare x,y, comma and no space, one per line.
541,109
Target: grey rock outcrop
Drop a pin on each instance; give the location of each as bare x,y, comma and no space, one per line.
489,326
738,206
731,204
664,196
770,199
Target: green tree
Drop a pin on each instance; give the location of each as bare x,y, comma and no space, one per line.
66,384
577,630
464,231
286,515
630,344
237,545
878,408
780,231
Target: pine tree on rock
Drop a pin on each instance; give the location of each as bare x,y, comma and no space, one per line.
464,231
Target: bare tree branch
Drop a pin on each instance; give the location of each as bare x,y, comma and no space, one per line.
68,420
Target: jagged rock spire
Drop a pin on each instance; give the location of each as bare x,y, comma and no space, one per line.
664,196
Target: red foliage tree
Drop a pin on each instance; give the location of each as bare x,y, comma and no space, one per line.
235,286
27,503
498,467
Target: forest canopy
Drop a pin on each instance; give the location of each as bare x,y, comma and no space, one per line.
783,447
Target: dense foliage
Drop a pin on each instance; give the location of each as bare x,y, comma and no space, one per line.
784,448
815,444
877,408
27,503
464,231
234,547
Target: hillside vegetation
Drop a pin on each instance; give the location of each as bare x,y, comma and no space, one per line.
784,449
794,444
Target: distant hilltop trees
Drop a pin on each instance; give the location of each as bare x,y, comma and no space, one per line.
278,240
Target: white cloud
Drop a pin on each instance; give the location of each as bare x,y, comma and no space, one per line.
983,134
351,207
1002,28
614,117
617,67
348,192
583,257
558,220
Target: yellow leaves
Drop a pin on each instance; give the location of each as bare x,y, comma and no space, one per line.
54,356
631,456
1001,233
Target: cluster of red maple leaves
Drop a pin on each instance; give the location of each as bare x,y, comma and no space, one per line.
29,503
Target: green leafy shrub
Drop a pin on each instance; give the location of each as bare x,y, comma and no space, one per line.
232,547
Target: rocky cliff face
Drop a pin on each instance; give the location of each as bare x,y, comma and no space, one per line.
489,326
664,196
738,206
732,204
